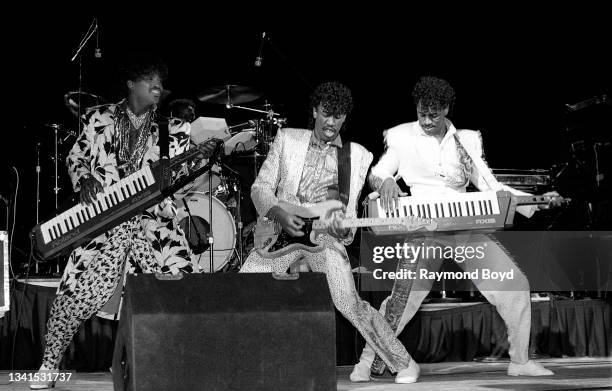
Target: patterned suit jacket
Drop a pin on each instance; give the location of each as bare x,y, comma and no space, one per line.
280,174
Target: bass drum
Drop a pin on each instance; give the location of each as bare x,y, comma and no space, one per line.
242,142
193,216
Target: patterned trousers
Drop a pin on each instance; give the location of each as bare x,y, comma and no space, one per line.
331,259
511,298
91,287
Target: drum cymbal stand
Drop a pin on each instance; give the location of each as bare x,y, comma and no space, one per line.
236,185
56,189
200,246
37,194
211,240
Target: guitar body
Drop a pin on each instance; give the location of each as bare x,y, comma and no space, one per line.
270,241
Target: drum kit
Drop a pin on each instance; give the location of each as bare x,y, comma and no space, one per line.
215,212
218,204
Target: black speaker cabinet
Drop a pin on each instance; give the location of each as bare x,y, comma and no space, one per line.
226,332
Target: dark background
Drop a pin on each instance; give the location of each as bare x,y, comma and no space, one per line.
513,78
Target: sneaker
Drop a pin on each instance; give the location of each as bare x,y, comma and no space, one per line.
361,373
530,368
43,385
408,375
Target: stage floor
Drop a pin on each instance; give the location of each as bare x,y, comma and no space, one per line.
570,374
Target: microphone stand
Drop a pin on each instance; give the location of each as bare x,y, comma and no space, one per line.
86,38
90,32
56,188
37,182
292,67
38,192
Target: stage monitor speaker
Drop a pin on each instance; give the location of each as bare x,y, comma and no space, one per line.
226,332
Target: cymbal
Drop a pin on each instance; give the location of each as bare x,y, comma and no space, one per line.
229,94
59,127
73,99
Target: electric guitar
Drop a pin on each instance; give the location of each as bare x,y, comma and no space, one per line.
271,241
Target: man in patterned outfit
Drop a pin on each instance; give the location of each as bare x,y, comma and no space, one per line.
116,141
304,167
434,158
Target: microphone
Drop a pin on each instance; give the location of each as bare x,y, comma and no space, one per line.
259,58
98,52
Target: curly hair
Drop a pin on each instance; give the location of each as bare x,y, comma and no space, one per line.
141,65
433,93
179,108
335,98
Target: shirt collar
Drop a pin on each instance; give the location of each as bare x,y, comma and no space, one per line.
451,130
337,142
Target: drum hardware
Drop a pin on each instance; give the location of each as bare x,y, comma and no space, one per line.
596,100
266,132
229,95
60,135
210,236
197,227
247,123
261,134
56,141
75,101
256,138
238,215
200,246
268,113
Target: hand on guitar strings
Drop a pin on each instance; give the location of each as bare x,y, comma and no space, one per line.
291,223
335,229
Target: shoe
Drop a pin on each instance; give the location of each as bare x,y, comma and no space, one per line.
43,385
530,368
361,373
408,375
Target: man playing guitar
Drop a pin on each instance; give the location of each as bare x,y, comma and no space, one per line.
304,167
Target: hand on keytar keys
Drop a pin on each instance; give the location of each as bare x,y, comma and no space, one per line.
89,188
389,194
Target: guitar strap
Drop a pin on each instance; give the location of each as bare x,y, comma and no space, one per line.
481,166
164,139
344,172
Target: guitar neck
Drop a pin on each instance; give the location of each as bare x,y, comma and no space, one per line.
532,200
377,221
